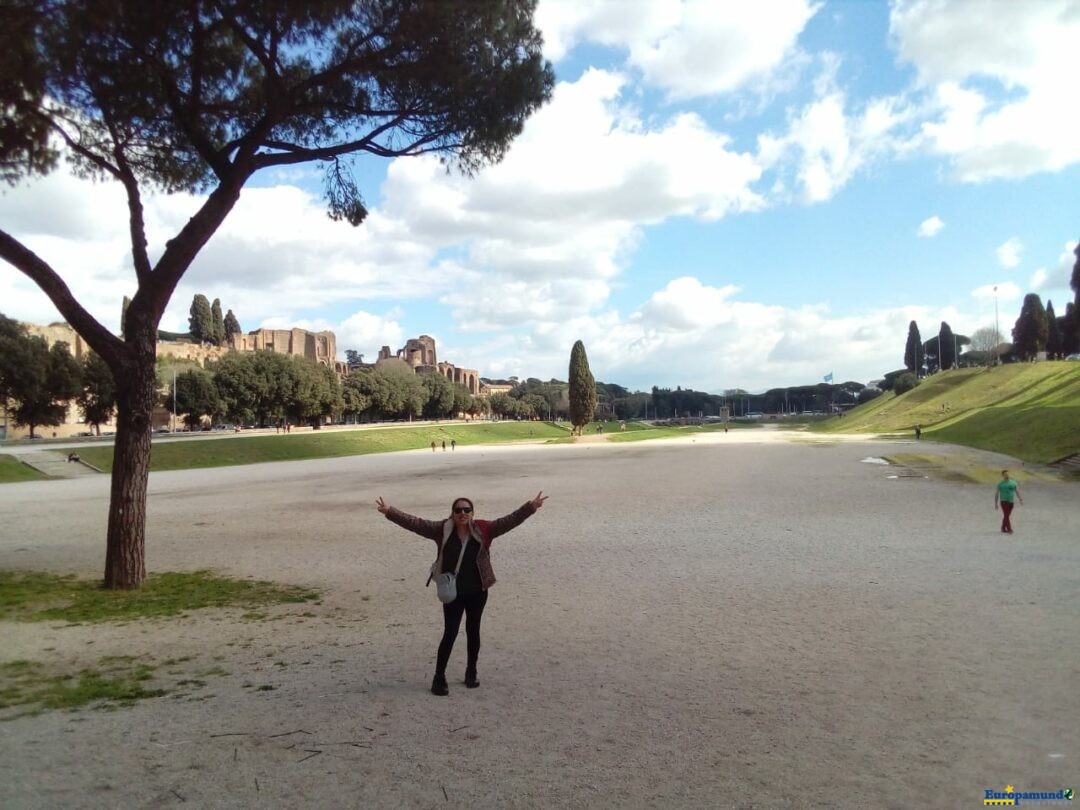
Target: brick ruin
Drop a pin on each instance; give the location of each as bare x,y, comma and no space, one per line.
419,355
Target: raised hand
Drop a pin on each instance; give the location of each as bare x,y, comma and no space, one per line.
538,501
382,505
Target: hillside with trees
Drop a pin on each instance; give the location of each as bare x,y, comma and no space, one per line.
1027,410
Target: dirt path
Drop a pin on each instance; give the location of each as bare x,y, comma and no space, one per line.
717,622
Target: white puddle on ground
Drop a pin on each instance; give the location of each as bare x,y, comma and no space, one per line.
875,460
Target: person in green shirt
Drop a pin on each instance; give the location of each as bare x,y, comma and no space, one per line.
1007,489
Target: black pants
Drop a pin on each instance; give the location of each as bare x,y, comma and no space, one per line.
472,606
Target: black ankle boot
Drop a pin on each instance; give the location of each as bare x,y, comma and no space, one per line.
471,681
439,687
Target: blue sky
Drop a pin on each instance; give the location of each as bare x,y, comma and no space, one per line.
718,195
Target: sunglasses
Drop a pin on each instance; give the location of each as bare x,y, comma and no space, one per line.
462,510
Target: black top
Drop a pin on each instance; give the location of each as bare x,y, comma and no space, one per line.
468,578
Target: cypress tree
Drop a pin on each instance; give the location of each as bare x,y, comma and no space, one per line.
231,326
1074,282
1053,334
1070,330
946,347
913,352
1030,331
582,388
218,321
201,320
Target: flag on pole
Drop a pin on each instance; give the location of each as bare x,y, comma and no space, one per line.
828,377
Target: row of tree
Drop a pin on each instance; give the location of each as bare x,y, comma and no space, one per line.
41,381
208,325
1037,329
264,388
939,353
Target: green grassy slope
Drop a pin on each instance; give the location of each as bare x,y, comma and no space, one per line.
1027,410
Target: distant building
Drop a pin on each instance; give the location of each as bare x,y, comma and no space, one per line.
488,389
318,347
419,355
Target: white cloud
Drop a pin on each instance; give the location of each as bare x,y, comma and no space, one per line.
361,331
277,254
685,303
1055,281
615,23
689,49
720,47
539,237
1009,253
543,234
1001,75
931,226
827,145
692,333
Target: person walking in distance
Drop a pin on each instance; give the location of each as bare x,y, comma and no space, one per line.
464,543
1007,489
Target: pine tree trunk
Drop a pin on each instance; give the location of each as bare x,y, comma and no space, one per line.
125,557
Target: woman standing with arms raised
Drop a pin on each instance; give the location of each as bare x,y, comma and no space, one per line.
464,548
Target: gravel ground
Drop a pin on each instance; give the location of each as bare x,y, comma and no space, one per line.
739,620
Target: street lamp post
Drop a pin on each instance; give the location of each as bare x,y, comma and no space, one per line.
997,329
174,399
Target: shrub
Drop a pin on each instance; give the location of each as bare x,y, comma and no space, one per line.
905,382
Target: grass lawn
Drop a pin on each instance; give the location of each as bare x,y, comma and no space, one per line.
29,687
223,452
11,469
198,452
118,680
647,432
36,596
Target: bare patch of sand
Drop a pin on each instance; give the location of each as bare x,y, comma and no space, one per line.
733,620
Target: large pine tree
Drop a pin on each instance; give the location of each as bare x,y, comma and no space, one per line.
201,97
582,388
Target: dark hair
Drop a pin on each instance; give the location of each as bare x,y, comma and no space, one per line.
467,500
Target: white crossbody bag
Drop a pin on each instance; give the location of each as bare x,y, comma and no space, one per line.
446,582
